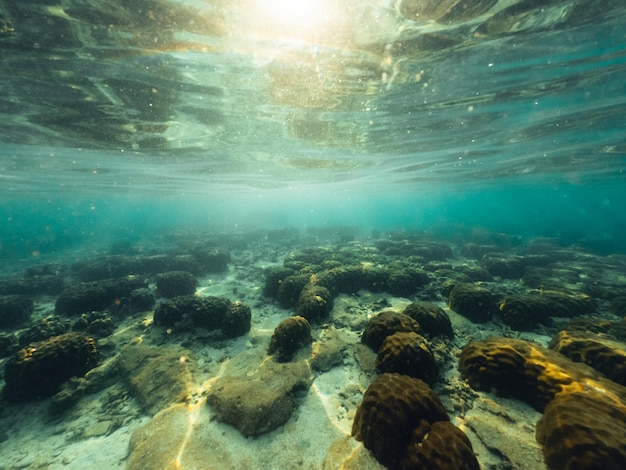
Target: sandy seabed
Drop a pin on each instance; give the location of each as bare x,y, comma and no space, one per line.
113,428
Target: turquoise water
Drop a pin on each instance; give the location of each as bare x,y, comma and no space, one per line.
277,151
119,119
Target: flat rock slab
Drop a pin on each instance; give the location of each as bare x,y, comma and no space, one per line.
158,376
262,401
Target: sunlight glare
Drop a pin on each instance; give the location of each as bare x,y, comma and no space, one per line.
293,15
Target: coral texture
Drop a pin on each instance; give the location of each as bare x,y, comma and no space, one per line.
385,324
407,353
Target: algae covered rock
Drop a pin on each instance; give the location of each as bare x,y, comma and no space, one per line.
206,312
179,437
329,350
211,259
341,279
237,320
618,306
97,295
96,324
405,281
15,310
384,324
258,403
38,370
173,283
505,266
157,376
43,329
524,311
409,354
290,335
290,288
184,313
8,344
314,302
273,279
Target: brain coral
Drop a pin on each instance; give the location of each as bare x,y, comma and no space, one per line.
525,370
585,431
523,312
391,408
385,324
472,301
432,319
440,445
403,423
603,354
584,422
407,353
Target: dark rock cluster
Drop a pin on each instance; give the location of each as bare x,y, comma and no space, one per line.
184,313
96,295
173,283
15,310
309,279
91,297
38,370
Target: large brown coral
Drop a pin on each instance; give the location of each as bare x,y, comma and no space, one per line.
440,445
314,302
403,423
432,319
603,354
584,430
526,371
407,353
525,311
584,412
38,370
384,324
472,301
392,407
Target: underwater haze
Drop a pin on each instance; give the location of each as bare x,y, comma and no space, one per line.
121,117
313,234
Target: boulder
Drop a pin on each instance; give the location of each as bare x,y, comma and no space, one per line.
260,402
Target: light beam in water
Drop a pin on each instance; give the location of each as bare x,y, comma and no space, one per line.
293,17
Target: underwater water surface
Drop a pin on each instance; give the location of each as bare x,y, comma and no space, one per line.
508,114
